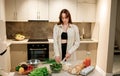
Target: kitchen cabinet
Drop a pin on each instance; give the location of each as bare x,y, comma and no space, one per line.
16,10
81,10
55,6
38,9
18,54
86,12
2,22
5,63
2,10
24,10
88,1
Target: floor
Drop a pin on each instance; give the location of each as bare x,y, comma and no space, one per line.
116,64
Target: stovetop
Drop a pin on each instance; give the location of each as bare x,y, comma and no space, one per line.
37,40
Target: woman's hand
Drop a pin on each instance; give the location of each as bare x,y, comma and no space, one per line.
57,59
67,56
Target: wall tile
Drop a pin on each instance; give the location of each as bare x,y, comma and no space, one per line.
40,29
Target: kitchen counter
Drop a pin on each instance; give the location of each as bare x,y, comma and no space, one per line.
63,73
25,41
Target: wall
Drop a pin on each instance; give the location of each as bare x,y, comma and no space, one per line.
117,32
106,22
40,29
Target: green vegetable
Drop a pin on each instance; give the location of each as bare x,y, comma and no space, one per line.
56,67
40,72
47,61
17,68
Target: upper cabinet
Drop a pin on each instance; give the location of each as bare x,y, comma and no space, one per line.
81,10
2,23
86,12
16,10
2,10
24,10
38,9
55,6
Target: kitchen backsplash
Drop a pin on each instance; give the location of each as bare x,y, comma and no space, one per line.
41,29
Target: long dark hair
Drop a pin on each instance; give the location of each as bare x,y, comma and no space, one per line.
68,15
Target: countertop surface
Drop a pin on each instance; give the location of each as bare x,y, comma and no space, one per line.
62,73
25,41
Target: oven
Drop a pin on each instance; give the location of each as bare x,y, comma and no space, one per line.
38,49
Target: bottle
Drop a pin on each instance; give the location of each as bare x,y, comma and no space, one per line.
87,61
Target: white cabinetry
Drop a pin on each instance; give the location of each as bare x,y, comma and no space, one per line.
81,10
16,10
38,9
2,10
86,12
55,6
2,22
23,10
5,63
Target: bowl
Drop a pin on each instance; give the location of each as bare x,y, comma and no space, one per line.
34,62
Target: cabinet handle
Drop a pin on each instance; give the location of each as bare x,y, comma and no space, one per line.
38,15
3,52
16,16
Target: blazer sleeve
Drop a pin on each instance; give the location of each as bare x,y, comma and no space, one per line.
77,41
55,37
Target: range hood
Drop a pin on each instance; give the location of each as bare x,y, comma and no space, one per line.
38,20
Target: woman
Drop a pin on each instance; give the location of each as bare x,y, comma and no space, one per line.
66,36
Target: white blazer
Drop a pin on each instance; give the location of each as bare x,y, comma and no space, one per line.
72,42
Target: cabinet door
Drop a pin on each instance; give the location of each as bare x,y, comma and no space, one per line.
33,9
43,10
2,22
5,58
55,6
71,5
2,10
18,54
16,10
10,10
22,10
38,9
86,12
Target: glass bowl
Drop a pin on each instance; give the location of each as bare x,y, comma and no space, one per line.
34,62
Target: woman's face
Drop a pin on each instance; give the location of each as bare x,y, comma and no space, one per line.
65,19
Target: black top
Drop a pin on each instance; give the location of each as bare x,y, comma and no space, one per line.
64,35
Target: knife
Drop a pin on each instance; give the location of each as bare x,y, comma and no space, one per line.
63,60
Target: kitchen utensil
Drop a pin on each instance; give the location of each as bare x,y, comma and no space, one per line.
63,61
34,62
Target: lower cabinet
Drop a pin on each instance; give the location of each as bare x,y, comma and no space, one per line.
5,64
18,54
